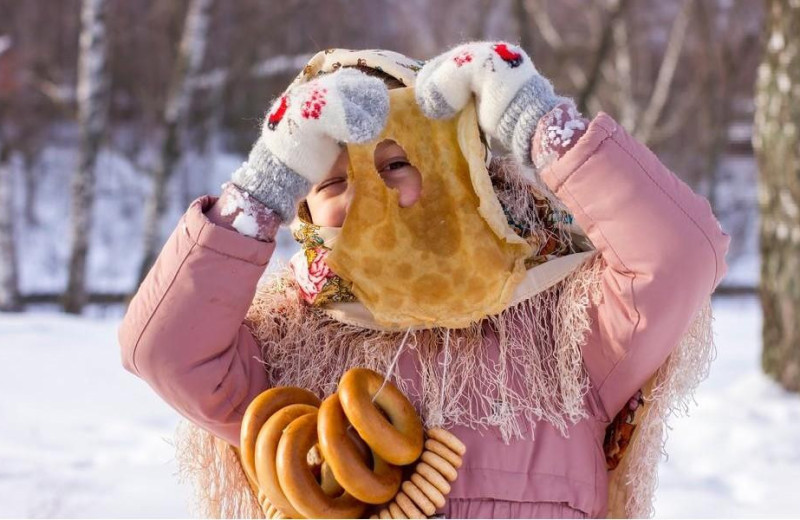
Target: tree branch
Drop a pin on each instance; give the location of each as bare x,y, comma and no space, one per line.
665,73
601,54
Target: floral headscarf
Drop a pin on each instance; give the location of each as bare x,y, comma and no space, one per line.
318,284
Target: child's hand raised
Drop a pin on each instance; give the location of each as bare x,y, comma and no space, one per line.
299,142
510,93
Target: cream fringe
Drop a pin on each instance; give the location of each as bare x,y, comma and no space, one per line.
670,392
212,467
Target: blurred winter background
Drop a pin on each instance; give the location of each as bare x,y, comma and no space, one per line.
115,114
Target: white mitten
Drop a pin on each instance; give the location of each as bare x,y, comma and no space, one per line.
510,93
301,136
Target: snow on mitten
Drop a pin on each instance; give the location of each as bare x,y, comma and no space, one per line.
510,93
301,137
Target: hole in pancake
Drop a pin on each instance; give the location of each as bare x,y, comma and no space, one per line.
397,172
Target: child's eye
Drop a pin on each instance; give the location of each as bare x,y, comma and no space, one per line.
330,183
395,165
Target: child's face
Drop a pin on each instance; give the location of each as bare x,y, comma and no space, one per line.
329,200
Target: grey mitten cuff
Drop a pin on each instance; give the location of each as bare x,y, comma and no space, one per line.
518,123
271,182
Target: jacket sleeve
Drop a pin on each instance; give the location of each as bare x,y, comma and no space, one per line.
663,247
183,332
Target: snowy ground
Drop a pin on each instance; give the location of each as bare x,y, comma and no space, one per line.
81,437
738,453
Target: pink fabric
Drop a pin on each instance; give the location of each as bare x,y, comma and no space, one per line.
665,252
488,508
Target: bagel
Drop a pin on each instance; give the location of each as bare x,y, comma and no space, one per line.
419,498
433,494
399,439
443,451
374,485
327,481
395,511
434,477
267,447
408,506
448,439
440,465
297,481
258,411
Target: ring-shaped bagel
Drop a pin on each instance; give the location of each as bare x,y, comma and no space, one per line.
298,482
408,506
327,481
373,485
449,440
259,410
397,440
266,449
453,458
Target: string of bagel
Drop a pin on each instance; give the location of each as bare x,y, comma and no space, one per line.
361,452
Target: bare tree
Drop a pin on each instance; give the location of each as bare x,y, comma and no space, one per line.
666,72
9,293
93,84
585,75
601,54
777,143
179,98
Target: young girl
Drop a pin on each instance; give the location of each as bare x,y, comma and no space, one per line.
549,394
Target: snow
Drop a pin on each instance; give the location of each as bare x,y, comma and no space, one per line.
776,41
280,64
738,454
563,135
784,83
116,235
80,436
740,132
5,43
246,224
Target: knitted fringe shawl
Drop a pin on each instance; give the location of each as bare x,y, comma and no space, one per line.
303,347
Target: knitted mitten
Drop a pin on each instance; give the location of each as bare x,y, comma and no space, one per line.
511,95
301,137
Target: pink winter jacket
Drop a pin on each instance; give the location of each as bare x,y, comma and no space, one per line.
665,252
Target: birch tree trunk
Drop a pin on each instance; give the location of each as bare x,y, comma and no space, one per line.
187,66
93,89
9,288
777,144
